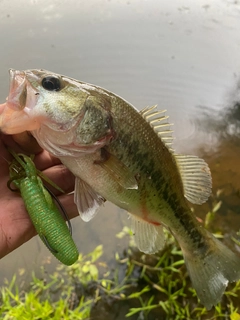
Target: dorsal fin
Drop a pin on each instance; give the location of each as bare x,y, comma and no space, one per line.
159,122
196,178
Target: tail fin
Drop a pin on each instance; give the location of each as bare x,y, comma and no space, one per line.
211,273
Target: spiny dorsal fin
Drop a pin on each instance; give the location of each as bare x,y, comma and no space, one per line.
196,178
159,122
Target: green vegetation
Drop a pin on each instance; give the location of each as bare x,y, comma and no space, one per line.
140,287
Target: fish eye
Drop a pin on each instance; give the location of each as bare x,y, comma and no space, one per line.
51,83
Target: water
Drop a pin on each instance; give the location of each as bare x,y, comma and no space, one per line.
181,55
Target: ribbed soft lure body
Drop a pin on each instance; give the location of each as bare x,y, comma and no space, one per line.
45,216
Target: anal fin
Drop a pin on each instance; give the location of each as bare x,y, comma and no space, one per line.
148,237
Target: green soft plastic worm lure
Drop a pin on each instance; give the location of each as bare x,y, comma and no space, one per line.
44,213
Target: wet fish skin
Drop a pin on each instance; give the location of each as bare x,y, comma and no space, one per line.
118,154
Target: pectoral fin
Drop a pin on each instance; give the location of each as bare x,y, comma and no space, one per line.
87,200
196,177
117,170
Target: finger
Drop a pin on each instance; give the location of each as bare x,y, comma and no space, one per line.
42,160
67,200
22,142
9,142
62,177
27,142
5,159
16,227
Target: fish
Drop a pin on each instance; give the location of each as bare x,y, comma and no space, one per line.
124,156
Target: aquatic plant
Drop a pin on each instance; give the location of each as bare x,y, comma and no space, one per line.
139,287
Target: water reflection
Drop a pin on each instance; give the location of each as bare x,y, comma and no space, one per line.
222,129
223,124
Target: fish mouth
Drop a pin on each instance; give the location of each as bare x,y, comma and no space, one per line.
15,113
18,90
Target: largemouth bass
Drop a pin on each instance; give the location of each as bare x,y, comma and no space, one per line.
122,155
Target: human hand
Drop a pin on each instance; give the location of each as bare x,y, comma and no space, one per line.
15,224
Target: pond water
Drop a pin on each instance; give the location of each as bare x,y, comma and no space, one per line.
181,55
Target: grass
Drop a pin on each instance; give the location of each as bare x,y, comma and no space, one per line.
140,287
